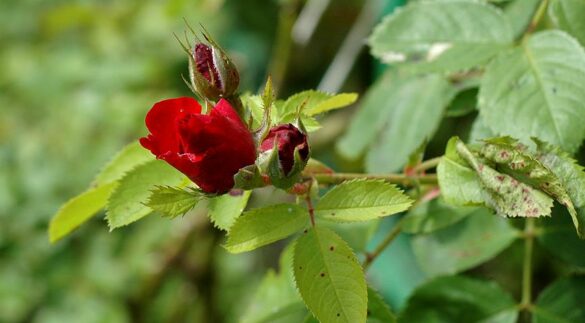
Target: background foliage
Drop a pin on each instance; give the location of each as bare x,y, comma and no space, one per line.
78,77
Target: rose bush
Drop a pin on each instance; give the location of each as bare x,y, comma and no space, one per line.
209,149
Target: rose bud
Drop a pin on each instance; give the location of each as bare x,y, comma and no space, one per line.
209,149
290,145
212,72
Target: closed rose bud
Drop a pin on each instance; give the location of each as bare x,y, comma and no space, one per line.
213,74
293,153
209,149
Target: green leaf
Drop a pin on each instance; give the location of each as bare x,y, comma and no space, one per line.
126,204
569,15
519,14
384,124
459,183
378,310
316,102
557,236
466,244
129,157
479,130
173,201
78,210
276,299
433,215
505,194
248,178
225,209
441,36
329,277
514,159
463,104
451,299
571,176
537,90
262,226
561,302
361,200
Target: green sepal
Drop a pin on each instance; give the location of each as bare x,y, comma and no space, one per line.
248,178
266,123
276,173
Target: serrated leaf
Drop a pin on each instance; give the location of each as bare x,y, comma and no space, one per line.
503,193
129,157
561,302
173,201
262,226
451,299
441,36
569,15
464,245
514,159
329,277
225,209
383,125
315,102
78,210
378,310
126,204
361,200
571,176
557,235
433,215
537,90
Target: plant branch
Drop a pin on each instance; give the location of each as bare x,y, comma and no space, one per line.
311,209
392,234
539,13
427,164
526,301
401,179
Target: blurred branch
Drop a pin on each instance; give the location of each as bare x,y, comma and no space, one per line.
401,179
392,234
526,301
283,43
343,62
308,20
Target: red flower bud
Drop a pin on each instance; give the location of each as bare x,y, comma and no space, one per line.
213,74
288,139
209,149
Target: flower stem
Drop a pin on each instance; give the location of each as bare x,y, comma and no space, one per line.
539,13
428,164
526,301
311,209
401,179
392,234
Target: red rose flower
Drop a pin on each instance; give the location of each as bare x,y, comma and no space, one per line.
288,138
209,149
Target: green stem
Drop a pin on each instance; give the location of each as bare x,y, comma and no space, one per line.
283,43
529,232
392,234
401,179
428,164
539,13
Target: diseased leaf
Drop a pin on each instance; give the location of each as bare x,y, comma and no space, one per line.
383,125
561,302
173,201
512,158
441,36
569,15
129,157
262,226
451,299
126,204
78,210
464,245
329,277
505,194
433,215
361,200
378,310
225,209
537,90
571,176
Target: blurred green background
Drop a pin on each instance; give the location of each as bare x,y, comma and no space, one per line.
76,79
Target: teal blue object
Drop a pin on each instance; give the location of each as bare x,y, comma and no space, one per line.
395,273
